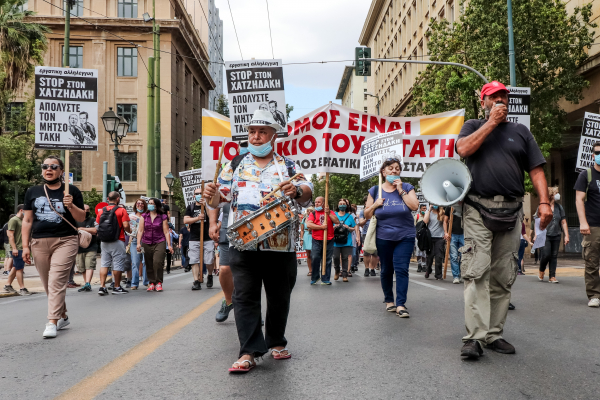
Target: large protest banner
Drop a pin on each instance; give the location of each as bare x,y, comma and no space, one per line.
519,100
66,108
253,85
590,134
190,181
329,139
215,129
376,150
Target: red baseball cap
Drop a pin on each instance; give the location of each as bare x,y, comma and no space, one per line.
492,87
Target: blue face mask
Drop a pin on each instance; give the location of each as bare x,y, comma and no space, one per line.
198,197
140,210
342,208
392,178
260,151
597,159
151,207
318,208
435,207
244,150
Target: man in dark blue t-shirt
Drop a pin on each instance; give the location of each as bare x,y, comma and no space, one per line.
497,153
588,210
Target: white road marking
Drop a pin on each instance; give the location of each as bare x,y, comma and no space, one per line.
427,284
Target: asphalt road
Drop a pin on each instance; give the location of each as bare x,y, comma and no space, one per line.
344,344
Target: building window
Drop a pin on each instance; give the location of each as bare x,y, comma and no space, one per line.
127,167
129,112
365,109
128,8
75,165
77,9
126,61
75,56
14,117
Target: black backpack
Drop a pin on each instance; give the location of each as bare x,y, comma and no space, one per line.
424,242
108,228
340,234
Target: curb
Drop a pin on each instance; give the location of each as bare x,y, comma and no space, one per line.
9,294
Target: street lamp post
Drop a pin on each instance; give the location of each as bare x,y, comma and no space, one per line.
170,178
117,127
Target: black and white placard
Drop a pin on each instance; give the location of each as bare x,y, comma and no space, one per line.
590,134
519,100
377,149
253,85
190,181
66,108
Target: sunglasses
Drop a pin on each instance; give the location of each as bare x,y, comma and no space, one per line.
53,167
597,152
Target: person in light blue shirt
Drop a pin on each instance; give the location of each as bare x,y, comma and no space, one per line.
342,246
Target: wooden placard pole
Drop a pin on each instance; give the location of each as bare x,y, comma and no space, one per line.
218,164
67,153
325,205
448,243
202,209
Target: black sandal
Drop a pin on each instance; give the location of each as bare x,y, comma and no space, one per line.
391,308
403,313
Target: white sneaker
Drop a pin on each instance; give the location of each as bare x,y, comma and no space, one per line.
595,302
50,331
456,281
62,323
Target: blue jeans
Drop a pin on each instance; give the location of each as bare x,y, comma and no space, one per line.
522,248
395,257
135,262
456,243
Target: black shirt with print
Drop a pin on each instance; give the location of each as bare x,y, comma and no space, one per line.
193,210
592,205
46,223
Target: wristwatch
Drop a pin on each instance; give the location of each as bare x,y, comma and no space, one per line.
299,192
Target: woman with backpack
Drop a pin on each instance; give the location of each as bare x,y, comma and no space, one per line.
395,232
154,237
549,253
342,246
49,234
437,222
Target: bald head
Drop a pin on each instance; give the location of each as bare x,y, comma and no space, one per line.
114,197
319,201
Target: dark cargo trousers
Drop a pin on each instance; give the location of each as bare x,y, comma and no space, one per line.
591,254
489,269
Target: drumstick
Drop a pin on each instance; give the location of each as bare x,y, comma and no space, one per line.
219,162
278,188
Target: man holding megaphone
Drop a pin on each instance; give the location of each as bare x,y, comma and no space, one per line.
497,153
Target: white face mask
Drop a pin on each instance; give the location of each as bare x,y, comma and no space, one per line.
557,197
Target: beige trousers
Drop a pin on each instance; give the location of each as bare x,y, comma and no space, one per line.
489,269
591,255
54,258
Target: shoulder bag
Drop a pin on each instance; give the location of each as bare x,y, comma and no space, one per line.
85,238
370,245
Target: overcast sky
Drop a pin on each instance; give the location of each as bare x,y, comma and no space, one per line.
306,30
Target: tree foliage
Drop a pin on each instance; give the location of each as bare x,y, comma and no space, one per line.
550,45
92,198
222,106
288,110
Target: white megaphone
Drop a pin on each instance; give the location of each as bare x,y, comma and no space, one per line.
446,182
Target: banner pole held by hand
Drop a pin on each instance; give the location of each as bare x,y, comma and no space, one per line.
218,164
67,153
325,205
202,236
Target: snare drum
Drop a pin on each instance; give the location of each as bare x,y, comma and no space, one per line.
265,222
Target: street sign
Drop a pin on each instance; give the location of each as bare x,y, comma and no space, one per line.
254,85
100,206
519,100
66,108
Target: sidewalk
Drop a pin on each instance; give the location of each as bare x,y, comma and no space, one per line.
568,265
34,284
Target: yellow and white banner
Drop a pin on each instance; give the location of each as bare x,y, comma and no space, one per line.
329,139
215,129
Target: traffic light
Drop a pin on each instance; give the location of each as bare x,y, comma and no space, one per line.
362,68
110,184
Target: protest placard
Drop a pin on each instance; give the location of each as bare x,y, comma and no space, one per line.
253,85
329,139
66,108
519,100
376,150
190,181
215,129
590,134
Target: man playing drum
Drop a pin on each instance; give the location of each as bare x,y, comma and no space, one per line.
273,262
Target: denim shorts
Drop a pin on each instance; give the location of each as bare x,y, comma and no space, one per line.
224,254
18,262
